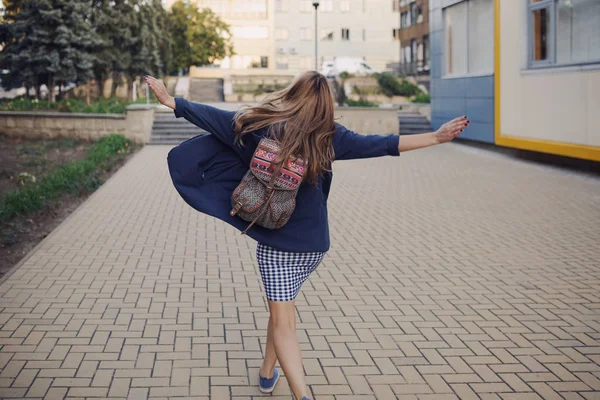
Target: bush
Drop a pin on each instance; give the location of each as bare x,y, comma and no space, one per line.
390,86
422,98
360,103
75,105
78,177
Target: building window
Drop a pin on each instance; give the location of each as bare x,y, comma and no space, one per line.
563,32
345,5
250,32
246,62
306,6
327,5
396,34
364,34
404,20
326,34
306,63
345,34
282,63
426,52
468,38
419,14
281,34
305,33
281,5
413,13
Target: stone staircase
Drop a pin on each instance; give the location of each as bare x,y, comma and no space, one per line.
168,130
411,124
205,90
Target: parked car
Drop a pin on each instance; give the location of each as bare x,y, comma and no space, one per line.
355,66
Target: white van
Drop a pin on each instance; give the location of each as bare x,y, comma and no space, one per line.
355,66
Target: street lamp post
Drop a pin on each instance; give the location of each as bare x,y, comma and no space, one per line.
316,6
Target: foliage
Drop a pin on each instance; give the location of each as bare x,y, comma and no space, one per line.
360,103
390,86
199,37
48,41
76,177
422,98
76,105
61,42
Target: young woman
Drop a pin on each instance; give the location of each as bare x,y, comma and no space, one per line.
206,169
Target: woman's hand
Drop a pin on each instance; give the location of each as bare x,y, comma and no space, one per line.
160,91
451,129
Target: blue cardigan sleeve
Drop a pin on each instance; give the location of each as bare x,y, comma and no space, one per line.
348,145
213,120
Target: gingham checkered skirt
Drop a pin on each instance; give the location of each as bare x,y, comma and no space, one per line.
283,273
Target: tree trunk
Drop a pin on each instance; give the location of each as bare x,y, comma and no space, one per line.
27,88
115,84
129,88
38,92
60,85
51,96
100,84
88,95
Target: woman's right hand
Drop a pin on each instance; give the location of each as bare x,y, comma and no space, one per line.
160,91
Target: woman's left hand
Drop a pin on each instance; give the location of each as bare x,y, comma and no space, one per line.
451,129
160,91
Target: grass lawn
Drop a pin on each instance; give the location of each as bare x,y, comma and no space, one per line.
43,180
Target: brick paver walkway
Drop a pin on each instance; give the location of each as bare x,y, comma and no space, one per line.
454,273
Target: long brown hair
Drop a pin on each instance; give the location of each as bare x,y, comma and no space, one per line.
300,118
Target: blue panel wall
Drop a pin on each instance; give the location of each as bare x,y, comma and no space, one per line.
454,97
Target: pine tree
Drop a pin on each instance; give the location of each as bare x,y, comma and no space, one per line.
48,41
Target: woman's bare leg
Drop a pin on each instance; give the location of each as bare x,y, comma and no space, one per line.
268,365
283,319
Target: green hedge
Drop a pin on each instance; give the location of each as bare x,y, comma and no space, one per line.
76,177
360,103
390,86
75,105
422,98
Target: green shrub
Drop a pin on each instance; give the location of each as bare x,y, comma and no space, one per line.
74,105
77,177
422,98
360,103
390,86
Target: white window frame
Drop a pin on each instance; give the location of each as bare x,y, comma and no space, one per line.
551,61
444,43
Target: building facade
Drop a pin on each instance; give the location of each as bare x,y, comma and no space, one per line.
413,36
526,73
277,37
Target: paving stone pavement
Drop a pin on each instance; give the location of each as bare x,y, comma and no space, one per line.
454,273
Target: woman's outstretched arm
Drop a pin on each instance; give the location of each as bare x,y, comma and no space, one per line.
446,133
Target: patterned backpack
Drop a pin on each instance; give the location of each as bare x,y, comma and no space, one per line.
266,196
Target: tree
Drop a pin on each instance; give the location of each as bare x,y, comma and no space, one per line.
47,41
198,37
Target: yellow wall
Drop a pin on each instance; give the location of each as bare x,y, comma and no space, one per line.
556,110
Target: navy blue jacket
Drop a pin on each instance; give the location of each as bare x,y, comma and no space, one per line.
206,169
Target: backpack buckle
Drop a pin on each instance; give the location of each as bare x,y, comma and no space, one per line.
235,208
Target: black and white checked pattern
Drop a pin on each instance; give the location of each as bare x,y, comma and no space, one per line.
283,273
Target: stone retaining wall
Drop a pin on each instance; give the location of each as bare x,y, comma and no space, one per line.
368,120
135,124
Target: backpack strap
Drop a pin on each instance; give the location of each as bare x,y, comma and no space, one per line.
270,193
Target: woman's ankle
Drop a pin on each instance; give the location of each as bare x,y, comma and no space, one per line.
266,372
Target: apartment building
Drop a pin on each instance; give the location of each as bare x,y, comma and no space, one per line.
277,37
413,36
